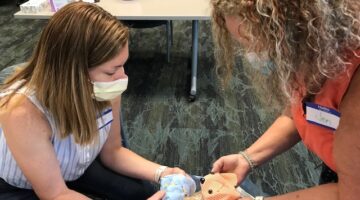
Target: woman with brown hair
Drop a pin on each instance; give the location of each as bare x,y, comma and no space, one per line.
59,114
315,50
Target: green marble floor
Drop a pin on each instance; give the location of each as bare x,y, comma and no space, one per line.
162,124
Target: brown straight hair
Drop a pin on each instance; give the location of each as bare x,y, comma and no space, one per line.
78,36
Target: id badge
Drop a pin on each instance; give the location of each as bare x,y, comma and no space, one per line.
322,116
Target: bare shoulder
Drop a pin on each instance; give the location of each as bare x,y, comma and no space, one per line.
27,134
21,114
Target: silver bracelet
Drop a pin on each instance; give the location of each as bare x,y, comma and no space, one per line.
259,198
158,173
248,159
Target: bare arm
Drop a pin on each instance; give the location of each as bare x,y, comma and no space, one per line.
346,154
27,134
281,136
114,155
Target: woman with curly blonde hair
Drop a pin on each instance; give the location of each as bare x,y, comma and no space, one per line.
315,50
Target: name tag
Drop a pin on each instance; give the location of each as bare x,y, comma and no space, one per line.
322,116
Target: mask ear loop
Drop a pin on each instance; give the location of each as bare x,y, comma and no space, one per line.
92,88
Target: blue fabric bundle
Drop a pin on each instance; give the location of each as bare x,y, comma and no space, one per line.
177,186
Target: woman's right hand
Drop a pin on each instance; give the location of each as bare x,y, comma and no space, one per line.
233,163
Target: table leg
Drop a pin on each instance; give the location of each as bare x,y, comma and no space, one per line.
195,38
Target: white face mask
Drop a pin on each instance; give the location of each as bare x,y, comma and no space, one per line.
106,91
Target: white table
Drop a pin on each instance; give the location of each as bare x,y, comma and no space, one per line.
193,10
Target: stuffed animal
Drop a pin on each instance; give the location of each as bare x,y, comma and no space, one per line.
219,186
177,186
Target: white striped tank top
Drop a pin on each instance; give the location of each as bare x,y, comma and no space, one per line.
73,158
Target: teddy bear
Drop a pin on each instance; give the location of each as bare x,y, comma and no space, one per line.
219,186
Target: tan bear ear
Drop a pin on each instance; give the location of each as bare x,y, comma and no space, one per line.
211,176
231,177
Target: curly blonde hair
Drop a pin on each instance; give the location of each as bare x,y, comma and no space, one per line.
308,41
